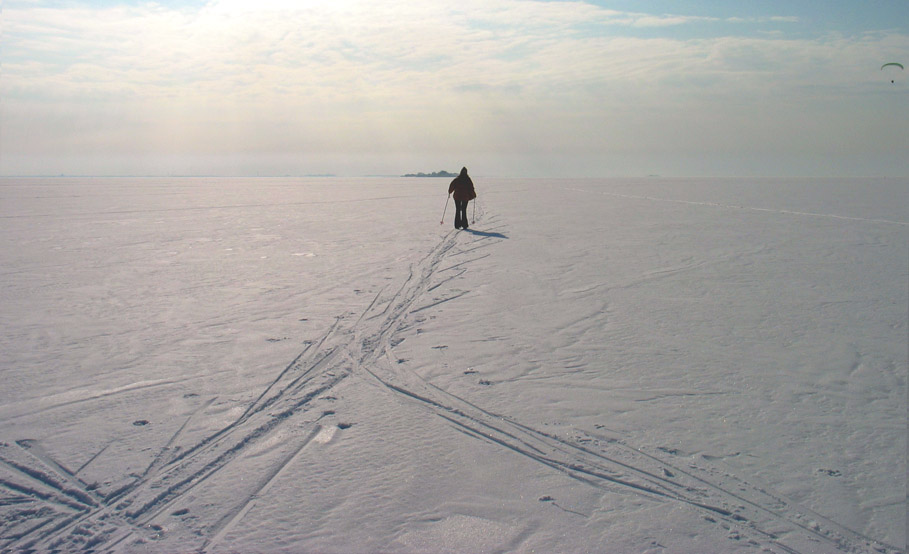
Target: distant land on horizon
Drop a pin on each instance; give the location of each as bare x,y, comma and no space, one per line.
434,174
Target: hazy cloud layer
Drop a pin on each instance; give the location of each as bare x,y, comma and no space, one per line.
515,86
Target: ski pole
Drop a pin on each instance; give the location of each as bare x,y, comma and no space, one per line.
474,211
446,209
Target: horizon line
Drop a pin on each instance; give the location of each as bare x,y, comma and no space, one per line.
390,175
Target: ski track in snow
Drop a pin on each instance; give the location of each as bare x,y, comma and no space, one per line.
15,411
46,507
738,207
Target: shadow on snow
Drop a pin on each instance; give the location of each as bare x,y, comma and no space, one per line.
486,234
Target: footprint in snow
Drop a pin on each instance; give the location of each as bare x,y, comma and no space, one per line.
830,472
140,422
345,425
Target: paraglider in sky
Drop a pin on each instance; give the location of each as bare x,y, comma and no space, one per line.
892,64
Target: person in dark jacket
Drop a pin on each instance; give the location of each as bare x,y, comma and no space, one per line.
463,192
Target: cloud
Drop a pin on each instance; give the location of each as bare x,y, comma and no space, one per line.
229,52
345,76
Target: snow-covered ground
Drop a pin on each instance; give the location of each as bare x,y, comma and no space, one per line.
288,365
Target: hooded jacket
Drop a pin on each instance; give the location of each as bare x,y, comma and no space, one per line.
462,187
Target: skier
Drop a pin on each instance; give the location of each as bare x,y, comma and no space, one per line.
462,187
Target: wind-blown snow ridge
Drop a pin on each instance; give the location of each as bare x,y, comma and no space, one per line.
48,507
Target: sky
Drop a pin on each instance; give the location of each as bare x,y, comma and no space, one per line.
510,88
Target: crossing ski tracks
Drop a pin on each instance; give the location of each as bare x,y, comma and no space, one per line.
48,507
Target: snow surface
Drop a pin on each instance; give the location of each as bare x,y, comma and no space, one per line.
288,365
